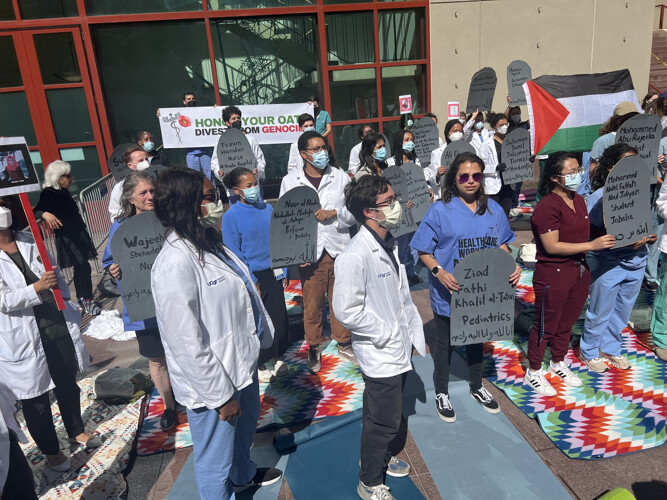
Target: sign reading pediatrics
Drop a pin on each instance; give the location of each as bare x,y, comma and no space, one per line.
17,172
405,104
202,126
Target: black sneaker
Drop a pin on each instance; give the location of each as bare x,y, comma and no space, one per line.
415,280
445,410
314,362
263,477
168,420
484,398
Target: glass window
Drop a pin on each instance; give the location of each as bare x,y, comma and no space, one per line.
404,80
390,129
402,35
350,38
338,2
266,60
134,92
254,4
69,115
10,76
345,137
85,164
56,54
15,120
353,94
39,9
7,11
102,7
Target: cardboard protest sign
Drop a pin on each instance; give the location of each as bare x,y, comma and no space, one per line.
643,132
626,202
482,89
426,139
453,149
17,172
518,73
409,184
234,150
293,230
483,308
117,166
135,245
516,156
405,104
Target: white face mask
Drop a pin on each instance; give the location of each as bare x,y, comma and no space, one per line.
143,165
5,218
393,214
215,211
503,129
456,136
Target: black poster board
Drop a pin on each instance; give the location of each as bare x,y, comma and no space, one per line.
453,149
516,156
426,139
482,89
409,184
643,132
233,150
117,166
518,73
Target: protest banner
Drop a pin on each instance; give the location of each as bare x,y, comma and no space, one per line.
516,156
202,126
482,89
453,110
643,132
293,229
116,164
135,245
233,150
409,184
18,176
483,308
405,104
518,73
626,203
426,139
453,149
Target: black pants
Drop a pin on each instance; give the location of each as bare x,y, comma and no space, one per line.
20,484
273,298
63,366
83,283
383,400
504,198
442,357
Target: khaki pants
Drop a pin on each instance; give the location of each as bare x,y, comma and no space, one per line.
316,281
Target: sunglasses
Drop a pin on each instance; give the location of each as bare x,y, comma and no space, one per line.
463,178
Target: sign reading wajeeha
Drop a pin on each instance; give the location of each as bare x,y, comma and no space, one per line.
202,127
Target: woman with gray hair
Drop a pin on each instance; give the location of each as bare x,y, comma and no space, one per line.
137,197
74,247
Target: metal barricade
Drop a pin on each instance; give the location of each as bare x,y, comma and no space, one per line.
94,207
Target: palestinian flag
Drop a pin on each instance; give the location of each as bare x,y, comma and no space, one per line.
566,112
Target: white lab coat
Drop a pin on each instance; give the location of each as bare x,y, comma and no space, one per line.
373,301
260,162
206,323
354,163
492,181
332,234
114,200
661,208
7,423
294,161
22,360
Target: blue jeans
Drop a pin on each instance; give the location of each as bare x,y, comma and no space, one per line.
222,449
199,161
406,254
613,292
651,273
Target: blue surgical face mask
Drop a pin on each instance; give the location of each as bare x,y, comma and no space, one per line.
148,146
251,194
408,146
320,160
479,125
381,154
308,129
572,181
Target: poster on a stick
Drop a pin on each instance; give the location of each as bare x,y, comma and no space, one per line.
426,139
643,132
454,149
626,201
483,308
518,73
293,229
409,184
405,104
516,156
482,89
234,150
116,164
17,172
135,245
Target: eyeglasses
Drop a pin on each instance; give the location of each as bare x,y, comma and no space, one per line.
317,149
463,178
213,196
577,171
67,176
389,203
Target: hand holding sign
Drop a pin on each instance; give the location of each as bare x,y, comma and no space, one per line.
234,150
482,90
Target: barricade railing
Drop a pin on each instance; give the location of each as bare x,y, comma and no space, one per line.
94,207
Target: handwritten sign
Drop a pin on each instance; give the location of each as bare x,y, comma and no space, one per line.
135,245
293,230
425,133
454,149
518,73
482,89
483,308
409,184
626,201
17,172
234,150
643,132
516,156
117,166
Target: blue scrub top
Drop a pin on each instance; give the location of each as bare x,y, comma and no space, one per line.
451,232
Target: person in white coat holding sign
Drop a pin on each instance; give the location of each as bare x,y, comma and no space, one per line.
40,347
212,323
372,299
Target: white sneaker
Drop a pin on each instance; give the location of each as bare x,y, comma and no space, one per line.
280,368
538,382
563,371
264,374
379,492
